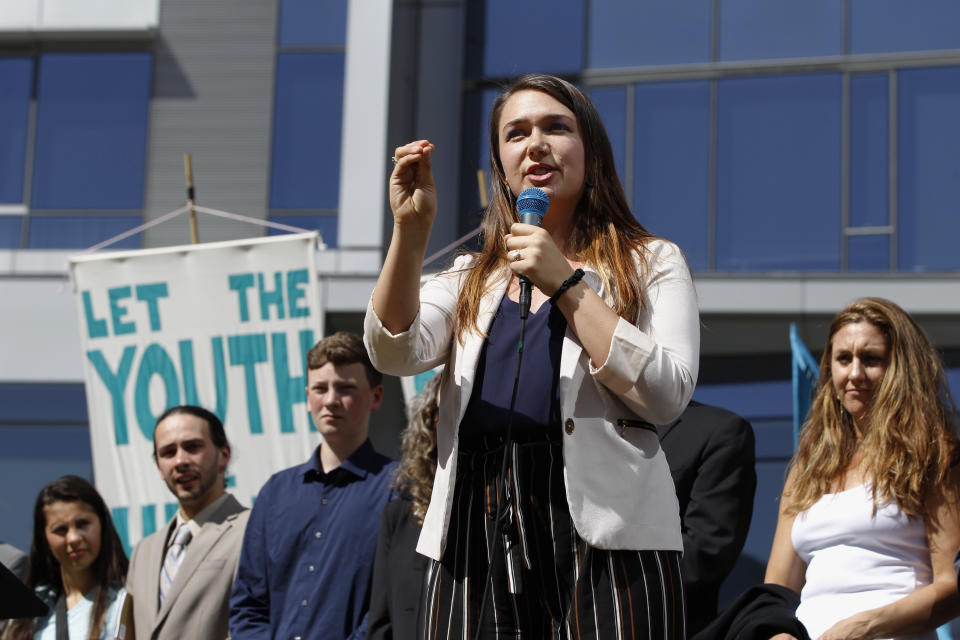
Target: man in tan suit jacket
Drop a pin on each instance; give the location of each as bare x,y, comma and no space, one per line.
182,590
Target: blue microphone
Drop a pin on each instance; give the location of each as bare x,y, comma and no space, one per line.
532,205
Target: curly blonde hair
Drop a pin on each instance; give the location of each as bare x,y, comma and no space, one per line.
907,435
418,450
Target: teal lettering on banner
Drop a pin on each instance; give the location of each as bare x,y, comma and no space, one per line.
220,379
117,311
188,370
240,283
150,293
96,327
290,389
271,298
155,362
148,519
122,525
169,510
247,351
297,282
115,384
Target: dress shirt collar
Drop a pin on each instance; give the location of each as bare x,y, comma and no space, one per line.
361,462
202,518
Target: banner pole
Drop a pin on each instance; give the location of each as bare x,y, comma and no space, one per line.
191,197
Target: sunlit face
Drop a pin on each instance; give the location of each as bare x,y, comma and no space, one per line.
73,534
859,359
541,146
189,463
340,400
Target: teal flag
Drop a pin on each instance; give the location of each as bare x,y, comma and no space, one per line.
804,373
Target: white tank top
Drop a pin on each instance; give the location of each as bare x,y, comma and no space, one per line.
855,560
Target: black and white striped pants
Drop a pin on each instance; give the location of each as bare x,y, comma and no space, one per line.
547,582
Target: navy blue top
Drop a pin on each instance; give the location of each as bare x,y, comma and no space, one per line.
307,556
538,400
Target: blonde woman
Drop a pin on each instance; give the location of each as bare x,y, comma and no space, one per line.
869,521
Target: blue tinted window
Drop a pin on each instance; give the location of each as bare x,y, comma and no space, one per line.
611,103
326,225
313,23
929,185
649,32
868,253
758,29
16,85
671,163
91,139
523,36
10,230
869,150
81,232
305,173
778,173
877,26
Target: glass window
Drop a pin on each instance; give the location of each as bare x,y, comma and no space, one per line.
313,23
523,36
878,26
761,29
305,171
869,150
649,32
91,136
868,253
778,173
611,103
16,86
929,179
326,225
11,229
671,163
80,232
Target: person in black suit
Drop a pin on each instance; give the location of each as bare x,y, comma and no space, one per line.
711,456
398,570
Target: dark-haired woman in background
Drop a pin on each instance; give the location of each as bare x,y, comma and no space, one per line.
870,515
77,565
398,569
590,539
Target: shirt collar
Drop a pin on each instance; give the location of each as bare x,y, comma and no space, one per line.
359,463
202,518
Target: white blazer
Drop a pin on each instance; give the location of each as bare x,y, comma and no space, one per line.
619,489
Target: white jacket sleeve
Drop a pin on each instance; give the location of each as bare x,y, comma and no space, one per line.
426,343
652,365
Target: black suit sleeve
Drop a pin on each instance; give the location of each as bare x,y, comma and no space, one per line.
379,619
720,506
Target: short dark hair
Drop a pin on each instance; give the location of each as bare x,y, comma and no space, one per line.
343,347
217,433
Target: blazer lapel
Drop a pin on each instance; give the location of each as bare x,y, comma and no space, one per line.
197,550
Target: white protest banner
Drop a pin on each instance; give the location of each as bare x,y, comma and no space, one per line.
222,325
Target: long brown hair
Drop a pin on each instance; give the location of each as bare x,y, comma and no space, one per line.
109,567
907,435
418,457
605,234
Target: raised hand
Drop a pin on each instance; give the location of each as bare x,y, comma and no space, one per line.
413,196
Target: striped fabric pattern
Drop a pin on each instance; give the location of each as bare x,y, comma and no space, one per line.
546,581
173,559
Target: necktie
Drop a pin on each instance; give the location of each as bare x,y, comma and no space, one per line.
174,556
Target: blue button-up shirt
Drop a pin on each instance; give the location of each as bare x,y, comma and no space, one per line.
306,563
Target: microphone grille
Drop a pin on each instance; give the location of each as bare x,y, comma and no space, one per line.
533,200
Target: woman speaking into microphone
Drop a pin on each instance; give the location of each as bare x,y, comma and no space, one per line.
553,514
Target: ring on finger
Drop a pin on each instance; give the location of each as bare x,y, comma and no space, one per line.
393,159
515,255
